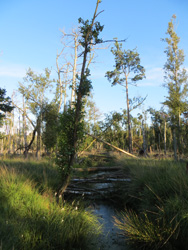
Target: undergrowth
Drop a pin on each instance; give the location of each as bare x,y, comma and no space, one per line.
30,218
156,200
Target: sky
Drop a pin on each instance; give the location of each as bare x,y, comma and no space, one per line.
30,37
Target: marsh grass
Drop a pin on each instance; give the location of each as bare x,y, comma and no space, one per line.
44,172
157,205
29,215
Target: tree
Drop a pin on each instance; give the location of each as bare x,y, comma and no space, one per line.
112,129
5,104
71,42
61,88
159,119
50,133
92,113
89,35
34,89
175,82
127,70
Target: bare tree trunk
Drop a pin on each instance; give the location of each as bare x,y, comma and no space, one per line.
159,142
24,125
60,82
9,139
175,145
73,92
65,88
31,142
144,137
140,131
10,134
165,137
38,154
19,131
128,117
179,135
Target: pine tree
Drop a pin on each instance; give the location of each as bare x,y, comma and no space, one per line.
127,70
175,82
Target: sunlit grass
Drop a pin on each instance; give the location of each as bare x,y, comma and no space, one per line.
44,172
31,219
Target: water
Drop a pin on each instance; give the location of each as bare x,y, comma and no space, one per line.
111,238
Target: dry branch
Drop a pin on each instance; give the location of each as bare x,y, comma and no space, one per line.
119,149
87,147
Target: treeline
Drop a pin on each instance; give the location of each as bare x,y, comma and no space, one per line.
44,121
157,134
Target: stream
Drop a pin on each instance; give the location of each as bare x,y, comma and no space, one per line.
110,238
95,189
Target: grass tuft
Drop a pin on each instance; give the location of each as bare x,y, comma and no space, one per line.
30,218
157,205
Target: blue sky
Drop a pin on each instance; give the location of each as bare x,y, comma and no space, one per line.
30,37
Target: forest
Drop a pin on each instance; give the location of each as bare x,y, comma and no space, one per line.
64,166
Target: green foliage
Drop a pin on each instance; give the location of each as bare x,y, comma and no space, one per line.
90,33
86,86
127,70
175,76
127,62
66,139
158,119
35,88
50,118
71,122
30,220
113,129
5,104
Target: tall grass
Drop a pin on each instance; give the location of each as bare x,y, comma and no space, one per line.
31,219
44,172
157,201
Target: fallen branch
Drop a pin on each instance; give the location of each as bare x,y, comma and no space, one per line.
96,169
87,147
119,149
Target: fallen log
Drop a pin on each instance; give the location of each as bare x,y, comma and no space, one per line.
119,149
96,169
87,147
101,156
102,180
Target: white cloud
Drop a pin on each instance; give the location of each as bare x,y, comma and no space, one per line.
154,77
13,70
154,74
